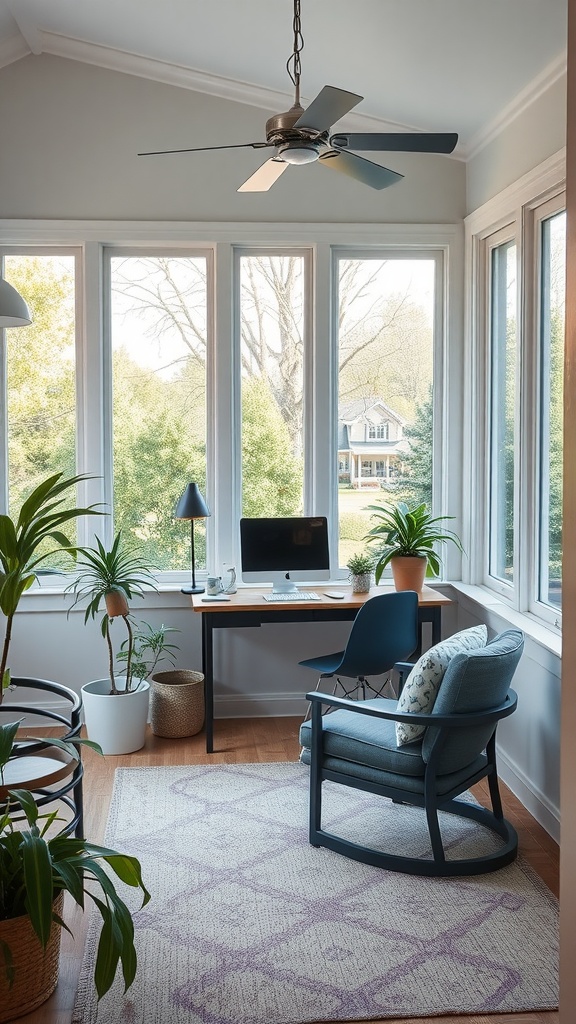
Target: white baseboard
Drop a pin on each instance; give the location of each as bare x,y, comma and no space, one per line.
536,803
255,705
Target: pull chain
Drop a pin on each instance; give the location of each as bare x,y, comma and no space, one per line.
293,62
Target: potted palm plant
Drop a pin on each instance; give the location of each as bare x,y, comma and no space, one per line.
361,567
404,537
32,538
38,865
115,708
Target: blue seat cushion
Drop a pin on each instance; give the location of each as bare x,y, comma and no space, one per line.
368,741
365,748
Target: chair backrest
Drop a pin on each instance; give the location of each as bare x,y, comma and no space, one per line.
384,631
474,681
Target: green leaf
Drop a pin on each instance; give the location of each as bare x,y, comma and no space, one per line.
37,867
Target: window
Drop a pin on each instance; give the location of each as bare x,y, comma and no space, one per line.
502,405
517,441
387,309
378,431
272,339
552,242
159,341
253,360
41,372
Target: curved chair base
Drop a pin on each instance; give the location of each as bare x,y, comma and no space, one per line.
499,858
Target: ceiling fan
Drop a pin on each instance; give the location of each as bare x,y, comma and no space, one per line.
301,136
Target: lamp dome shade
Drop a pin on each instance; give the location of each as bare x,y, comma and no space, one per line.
14,310
191,504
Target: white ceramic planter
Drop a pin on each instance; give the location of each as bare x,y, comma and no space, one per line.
116,723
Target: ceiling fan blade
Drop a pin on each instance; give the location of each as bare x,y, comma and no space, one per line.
397,142
264,177
362,170
206,149
329,106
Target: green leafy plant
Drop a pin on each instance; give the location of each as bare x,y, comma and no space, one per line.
23,548
112,577
408,530
360,564
150,648
36,867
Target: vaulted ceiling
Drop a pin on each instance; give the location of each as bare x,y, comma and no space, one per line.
430,65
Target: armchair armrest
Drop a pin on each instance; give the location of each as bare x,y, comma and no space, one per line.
393,715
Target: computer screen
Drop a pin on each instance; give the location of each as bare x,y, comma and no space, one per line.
284,551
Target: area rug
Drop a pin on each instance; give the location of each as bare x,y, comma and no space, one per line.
248,924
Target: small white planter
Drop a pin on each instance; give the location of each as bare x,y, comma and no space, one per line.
116,722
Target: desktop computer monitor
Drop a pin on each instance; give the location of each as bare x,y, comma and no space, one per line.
284,551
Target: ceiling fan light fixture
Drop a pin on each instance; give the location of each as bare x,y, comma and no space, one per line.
298,152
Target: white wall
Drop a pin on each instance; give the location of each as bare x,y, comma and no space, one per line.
71,132
535,135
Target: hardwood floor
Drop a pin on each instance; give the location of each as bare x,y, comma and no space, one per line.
249,741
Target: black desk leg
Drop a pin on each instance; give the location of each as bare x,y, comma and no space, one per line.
208,670
436,620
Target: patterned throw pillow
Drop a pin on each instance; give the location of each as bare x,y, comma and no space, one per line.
423,683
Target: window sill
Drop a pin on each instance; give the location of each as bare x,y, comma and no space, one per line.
475,597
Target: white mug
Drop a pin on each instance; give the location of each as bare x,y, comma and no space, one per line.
214,585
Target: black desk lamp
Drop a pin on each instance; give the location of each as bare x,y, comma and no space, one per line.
192,506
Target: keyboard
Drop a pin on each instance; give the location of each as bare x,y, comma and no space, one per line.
300,595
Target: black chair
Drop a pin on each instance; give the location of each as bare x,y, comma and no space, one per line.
356,746
385,631
37,765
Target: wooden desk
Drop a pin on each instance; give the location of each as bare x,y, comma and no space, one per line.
247,607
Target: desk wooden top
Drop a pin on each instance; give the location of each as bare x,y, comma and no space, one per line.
249,599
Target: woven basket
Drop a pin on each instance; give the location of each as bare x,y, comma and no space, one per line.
177,703
36,969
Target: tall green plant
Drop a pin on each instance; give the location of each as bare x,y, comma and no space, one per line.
34,869
409,531
34,537
112,577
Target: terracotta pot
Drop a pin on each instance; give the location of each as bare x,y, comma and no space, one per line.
408,571
36,969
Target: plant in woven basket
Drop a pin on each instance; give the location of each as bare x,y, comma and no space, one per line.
149,649
112,577
38,864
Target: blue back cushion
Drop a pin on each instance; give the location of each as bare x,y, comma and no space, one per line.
474,682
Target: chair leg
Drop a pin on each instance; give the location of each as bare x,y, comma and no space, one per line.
317,687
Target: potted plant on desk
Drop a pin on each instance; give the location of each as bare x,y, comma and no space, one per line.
37,866
116,708
361,567
404,537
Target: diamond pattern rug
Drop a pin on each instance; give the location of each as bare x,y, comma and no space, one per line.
248,924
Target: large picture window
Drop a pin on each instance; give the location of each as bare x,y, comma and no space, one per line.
41,405
272,330
386,335
237,359
158,330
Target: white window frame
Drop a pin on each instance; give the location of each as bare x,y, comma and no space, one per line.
515,213
220,241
